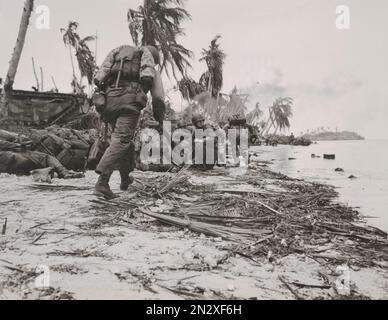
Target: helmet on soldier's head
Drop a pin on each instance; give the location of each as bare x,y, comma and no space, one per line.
155,53
197,117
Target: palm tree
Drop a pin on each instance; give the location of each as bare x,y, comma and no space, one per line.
71,39
158,23
282,111
14,63
214,58
86,61
189,88
254,116
269,123
279,114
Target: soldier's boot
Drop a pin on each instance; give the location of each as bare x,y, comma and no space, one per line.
126,181
102,188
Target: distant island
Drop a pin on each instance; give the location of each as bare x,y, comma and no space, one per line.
333,136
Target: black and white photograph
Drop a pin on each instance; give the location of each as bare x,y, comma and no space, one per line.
201,151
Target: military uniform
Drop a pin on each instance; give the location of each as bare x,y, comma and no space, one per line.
22,163
70,147
58,148
126,76
209,134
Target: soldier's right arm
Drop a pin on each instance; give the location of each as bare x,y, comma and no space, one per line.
157,93
106,67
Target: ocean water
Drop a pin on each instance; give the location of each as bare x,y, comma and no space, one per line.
367,160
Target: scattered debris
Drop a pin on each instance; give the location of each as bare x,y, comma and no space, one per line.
329,156
295,218
4,229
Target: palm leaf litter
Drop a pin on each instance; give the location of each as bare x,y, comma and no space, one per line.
288,216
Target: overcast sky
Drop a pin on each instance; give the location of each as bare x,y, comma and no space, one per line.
274,48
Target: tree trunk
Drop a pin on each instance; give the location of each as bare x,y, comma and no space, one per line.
55,85
14,63
276,130
269,123
272,124
72,62
148,39
36,76
41,79
269,128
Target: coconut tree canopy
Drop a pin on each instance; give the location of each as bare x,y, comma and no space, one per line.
214,58
86,60
70,36
158,23
282,112
190,88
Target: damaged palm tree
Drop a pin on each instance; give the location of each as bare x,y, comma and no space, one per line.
214,58
34,108
279,115
189,88
158,23
14,63
86,61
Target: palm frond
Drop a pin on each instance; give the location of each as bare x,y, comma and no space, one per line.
282,111
214,58
189,88
86,61
158,23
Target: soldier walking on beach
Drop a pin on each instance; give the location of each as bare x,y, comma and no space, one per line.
126,77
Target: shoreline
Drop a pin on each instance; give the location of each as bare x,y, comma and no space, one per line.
99,250
363,160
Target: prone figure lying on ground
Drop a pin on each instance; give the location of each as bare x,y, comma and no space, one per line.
67,152
22,161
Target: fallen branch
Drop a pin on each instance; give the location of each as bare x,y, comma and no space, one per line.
39,237
285,283
4,229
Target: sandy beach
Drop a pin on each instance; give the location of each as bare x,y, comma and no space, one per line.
60,243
